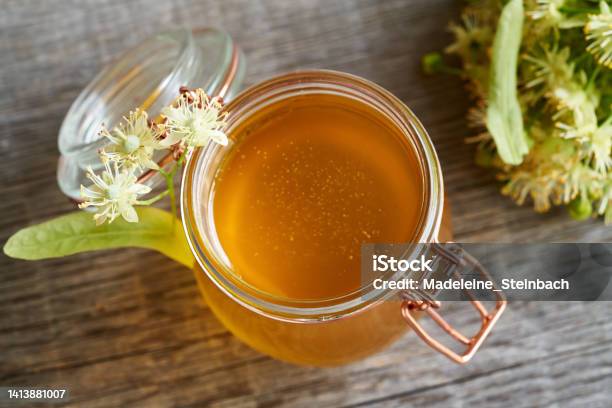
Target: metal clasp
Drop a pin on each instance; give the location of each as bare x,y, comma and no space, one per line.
459,259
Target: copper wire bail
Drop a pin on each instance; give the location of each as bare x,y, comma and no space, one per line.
488,319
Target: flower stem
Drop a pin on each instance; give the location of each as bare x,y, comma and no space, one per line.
169,177
170,192
154,199
170,182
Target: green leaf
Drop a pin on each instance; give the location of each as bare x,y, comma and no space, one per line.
504,118
77,232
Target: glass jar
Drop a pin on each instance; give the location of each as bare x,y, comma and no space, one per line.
147,76
326,332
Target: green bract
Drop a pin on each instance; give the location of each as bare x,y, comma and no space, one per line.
504,118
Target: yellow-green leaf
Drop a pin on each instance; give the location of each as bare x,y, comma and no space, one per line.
77,232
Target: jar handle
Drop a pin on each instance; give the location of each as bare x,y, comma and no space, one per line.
456,258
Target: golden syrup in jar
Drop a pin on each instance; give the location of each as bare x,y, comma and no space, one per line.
307,181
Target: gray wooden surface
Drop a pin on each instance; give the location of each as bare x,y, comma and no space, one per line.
128,327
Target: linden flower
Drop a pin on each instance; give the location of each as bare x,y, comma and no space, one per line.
547,10
598,32
600,147
114,194
133,142
549,15
194,120
550,67
472,34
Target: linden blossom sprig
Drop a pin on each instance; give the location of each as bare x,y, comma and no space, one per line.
561,80
192,120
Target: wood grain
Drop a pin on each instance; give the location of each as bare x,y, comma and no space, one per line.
127,328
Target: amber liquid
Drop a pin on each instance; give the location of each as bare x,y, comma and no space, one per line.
308,180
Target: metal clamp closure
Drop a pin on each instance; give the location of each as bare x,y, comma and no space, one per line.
413,303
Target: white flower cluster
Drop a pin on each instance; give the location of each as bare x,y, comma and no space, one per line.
598,31
193,120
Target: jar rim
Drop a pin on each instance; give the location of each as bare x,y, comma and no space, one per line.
247,103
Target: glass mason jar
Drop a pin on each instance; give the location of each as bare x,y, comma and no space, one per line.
323,332
326,332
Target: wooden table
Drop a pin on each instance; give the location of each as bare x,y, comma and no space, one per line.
129,328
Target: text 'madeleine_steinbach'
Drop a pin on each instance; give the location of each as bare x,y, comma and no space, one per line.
470,284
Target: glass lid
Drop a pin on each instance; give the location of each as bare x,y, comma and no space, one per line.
148,77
